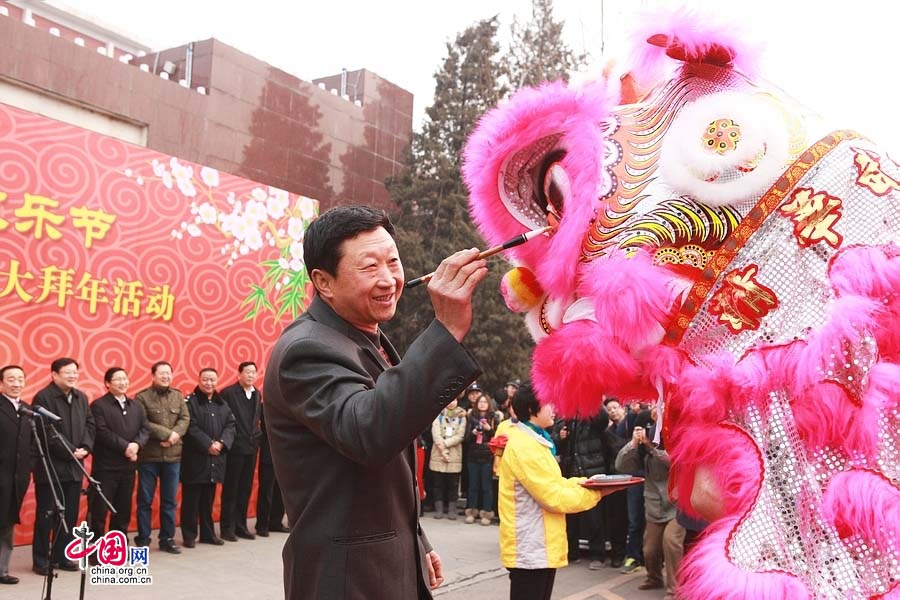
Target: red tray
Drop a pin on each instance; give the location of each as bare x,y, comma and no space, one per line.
596,484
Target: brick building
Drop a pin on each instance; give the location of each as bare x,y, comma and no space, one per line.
209,103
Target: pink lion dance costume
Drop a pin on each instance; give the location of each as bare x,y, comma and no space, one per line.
715,251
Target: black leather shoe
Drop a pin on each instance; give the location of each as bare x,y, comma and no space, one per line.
245,535
262,533
170,548
141,541
42,571
214,542
187,543
68,566
230,537
9,580
279,529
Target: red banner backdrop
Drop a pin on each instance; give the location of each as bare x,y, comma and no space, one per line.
116,255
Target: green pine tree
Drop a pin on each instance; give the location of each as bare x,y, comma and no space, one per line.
537,52
433,221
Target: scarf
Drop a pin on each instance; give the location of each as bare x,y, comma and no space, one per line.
543,434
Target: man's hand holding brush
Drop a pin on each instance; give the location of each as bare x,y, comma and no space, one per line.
451,288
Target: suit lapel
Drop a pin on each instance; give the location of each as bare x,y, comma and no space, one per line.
323,313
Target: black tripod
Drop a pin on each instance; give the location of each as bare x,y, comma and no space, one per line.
57,513
94,485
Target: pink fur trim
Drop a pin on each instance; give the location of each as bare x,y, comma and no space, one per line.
664,362
866,271
821,415
697,33
532,114
893,594
631,297
873,272
706,573
561,374
862,432
707,391
729,453
797,366
864,504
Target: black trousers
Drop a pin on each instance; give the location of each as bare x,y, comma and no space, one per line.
118,487
269,503
614,515
196,506
236,490
446,489
531,584
71,496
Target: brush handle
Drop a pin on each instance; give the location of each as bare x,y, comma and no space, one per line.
516,241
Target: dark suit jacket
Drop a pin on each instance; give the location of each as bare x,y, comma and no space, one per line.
114,431
342,424
76,426
246,418
15,461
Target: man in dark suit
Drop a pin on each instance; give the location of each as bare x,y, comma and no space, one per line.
240,463
76,426
269,505
122,430
15,461
343,412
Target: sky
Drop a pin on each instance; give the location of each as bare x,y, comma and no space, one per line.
835,58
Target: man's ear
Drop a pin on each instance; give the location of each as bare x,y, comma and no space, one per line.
323,282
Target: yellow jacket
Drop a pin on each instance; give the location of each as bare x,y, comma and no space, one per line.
533,502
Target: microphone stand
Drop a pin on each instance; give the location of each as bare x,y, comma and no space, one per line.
57,514
92,483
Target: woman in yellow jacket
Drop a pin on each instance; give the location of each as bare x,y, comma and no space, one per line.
533,502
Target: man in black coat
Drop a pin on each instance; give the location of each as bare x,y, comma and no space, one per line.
210,436
269,505
588,447
76,426
121,431
243,399
15,461
343,412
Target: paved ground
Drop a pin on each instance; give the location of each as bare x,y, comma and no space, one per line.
251,570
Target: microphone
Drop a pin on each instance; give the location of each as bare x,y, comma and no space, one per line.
46,413
26,410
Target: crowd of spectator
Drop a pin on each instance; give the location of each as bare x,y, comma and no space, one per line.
633,529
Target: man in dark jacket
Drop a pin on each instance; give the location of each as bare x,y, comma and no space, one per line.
76,427
587,448
209,438
15,461
343,412
244,401
122,431
269,505
160,459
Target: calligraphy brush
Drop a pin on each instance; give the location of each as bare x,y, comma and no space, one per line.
516,241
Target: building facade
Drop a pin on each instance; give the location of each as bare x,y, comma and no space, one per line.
209,103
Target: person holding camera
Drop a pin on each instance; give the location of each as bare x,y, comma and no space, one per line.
480,428
663,536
